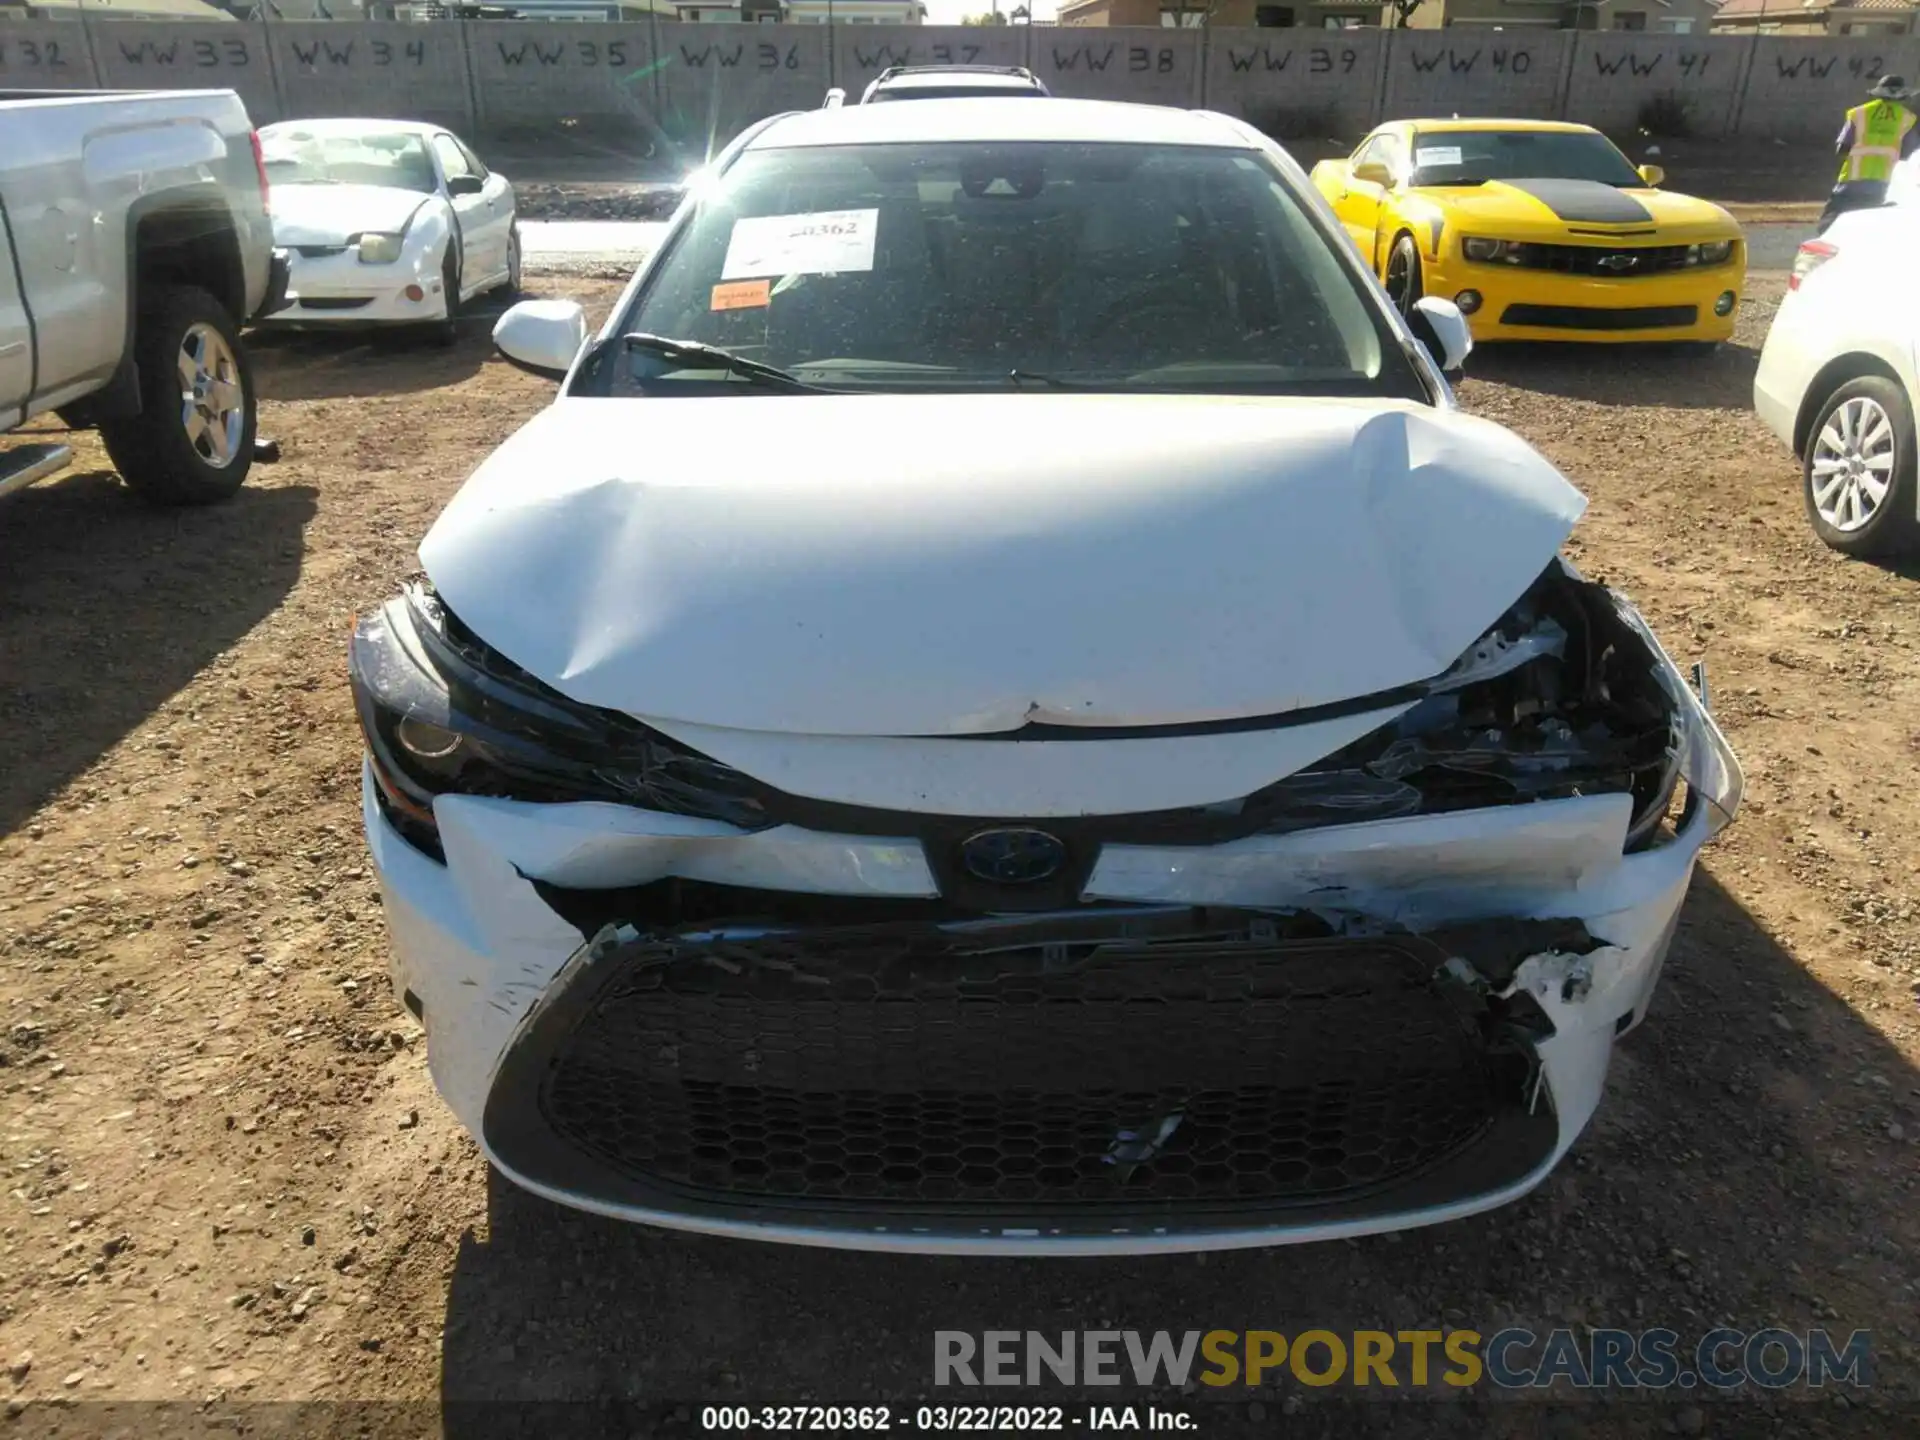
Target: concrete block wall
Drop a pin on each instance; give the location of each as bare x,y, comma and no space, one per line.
1514,74
535,73
1797,89
189,55
719,79
1152,66
46,55
861,52
1613,74
712,80
1317,81
385,71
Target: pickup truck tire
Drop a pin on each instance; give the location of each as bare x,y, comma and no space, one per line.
192,442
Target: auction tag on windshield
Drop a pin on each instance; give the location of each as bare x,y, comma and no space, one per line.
743,295
1437,155
828,242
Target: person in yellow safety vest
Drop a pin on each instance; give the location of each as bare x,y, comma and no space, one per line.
1877,136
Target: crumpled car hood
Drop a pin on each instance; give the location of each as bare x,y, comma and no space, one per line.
969,564
329,214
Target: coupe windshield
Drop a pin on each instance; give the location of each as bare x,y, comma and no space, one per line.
956,265
367,157
1468,157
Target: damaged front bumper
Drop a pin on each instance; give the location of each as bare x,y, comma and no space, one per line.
506,949
657,988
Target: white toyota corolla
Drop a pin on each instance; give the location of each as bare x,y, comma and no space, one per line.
1004,708
386,222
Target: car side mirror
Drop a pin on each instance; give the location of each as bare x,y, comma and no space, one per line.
542,336
465,185
1372,172
1442,329
1652,174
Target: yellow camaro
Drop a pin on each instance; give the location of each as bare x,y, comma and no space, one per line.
1538,231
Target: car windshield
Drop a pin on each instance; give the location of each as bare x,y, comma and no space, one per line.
371,157
1469,157
989,265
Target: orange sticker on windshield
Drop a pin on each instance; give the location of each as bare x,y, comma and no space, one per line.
743,295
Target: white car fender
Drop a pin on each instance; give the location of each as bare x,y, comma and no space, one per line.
428,234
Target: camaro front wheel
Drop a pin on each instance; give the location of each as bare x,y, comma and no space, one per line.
1858,476
1404,285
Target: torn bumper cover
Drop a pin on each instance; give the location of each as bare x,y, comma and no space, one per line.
1359,1004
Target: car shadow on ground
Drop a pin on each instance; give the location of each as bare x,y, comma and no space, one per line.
1622,374
1739,1173
318,364
109,606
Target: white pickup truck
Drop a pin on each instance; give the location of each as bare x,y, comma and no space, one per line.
134,244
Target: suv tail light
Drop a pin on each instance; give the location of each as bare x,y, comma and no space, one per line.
260,169
1809,258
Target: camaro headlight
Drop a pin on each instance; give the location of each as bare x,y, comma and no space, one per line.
1476,247
378,249
1714,252
443,714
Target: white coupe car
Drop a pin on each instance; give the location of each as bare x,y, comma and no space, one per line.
1004,709
1839,379
386,222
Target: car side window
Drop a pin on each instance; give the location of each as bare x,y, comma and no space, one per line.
1389,152
1369,150
453,159
473,160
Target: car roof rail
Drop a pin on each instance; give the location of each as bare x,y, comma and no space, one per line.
896,70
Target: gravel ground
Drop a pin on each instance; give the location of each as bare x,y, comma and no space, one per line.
231,1181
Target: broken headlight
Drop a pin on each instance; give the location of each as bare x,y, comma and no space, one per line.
1565,695
444,714
1704,760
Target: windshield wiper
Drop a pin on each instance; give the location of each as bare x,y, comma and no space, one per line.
712,357
1020,377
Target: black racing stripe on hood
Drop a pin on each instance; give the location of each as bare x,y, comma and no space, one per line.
1585,201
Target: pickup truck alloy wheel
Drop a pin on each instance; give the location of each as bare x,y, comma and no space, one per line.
213,400
191,443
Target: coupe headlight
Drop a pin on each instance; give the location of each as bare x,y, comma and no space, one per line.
379,249
1714,252
1476,247
442,715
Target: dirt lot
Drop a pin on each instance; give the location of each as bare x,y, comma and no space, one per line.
230,1180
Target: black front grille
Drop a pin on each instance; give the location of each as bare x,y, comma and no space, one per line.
335,302
1586,317
320,252
1603,262
969,1067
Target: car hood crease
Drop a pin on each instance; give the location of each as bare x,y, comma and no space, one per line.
954,565
330,214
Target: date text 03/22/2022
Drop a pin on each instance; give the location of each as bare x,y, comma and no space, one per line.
946,1419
